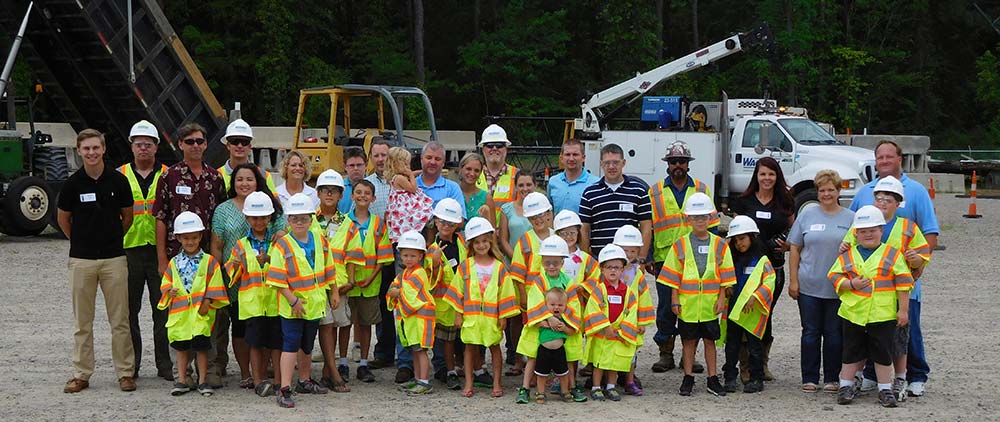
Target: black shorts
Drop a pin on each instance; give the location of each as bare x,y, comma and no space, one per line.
551,361
196,344
708,330
239,327
873,341
263,332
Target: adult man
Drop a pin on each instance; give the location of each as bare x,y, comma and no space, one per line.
668,198
189,185
917,208
238,140
355,163
143,173
385,331
431,181
377,155
565,189
497,177
95,211
614,201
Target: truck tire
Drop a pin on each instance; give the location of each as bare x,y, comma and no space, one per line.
804,198
27,207
50,163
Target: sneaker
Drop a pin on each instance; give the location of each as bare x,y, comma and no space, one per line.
345,372
180,389
732,385
715,387
405,374
523,397
578,394
754,386
264,389
597,395
846,394
868,385
453,382
205,390
285,398
687,385
915,389
637,381
365,374
420,388
633,389
899,389
406,386
887,398
613,395
76,385
483,380
310,387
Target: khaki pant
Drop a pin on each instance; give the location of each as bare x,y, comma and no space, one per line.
111,275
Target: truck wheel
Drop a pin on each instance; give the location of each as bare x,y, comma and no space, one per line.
804,198
27,206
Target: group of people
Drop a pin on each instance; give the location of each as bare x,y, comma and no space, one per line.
442,271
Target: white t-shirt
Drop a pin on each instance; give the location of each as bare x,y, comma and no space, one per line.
284,196
485,274
572,263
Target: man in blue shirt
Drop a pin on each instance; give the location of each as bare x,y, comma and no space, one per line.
431,181
565,189
918,208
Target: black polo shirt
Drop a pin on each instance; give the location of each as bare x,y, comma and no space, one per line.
96,206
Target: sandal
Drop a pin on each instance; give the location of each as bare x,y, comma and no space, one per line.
831,387
567,397
540,398
496,393
810,387
467,393
247,383
340,387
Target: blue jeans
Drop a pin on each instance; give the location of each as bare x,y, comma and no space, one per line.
916,359
666,321
385,331
404,356
821,338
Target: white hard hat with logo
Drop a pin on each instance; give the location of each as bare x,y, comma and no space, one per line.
554,246
534,204
300,204
143,128
188,222
868,216
258,204
699,204
494,133
477,226
628,235
742,224
448,210
610,252
412,240
240,128
566,218
890,184
330,177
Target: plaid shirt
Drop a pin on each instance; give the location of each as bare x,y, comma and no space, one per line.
381,195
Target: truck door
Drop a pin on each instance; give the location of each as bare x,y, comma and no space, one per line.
744,152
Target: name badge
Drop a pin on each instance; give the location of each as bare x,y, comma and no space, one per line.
817,227
88,197
615,299
183,190
503,189
748,270
703,249
766,215
626,207
902,204
453,262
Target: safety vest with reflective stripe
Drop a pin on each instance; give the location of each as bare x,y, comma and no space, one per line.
482,309
143,229
290,269
183,320
503,191
442,275
759,287
696,293
876,303
525,260
414,309
227,176
255,297
587,277
536,285
669,223
613,354
905,235
366,255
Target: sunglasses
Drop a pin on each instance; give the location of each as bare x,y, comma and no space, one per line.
494,145
676,161
192,141
243,142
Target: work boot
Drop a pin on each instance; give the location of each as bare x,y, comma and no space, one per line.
666,361
744,364
767,358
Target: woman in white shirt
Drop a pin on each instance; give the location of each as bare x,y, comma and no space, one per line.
295,171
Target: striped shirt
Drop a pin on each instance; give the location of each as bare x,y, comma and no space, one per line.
607,209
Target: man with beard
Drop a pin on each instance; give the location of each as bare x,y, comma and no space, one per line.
497,177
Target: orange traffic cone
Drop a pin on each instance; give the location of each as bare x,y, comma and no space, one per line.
546,173
931,190
972,205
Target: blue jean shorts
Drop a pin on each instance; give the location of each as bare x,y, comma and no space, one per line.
298,334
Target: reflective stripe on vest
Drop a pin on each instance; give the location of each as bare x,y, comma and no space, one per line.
503,191
669,223
143,229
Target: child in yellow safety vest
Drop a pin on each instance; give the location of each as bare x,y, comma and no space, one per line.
247,267
629,238
525,260
697,268
413,305
302,269
443,258
483,297
750,302
873,280
192,289
611,324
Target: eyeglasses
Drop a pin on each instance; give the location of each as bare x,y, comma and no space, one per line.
143,145
885,200
494,145
702,217
613,267
538,217
327,190
444,222
243,142
192,141
299,218
568,233
612,163
676,161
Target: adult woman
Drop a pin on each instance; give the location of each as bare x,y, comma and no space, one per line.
769,203
295,170
477,201
513,223
815,241
228,226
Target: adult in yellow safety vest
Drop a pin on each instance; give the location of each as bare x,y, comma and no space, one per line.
497,178
239,140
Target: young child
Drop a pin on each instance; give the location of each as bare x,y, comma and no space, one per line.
612,327
409,208
483,297
335,326
579,266
192,289
552,337
629,238
302,269
443,258
873,280
247,266
410,299
538,210
749,304
697,268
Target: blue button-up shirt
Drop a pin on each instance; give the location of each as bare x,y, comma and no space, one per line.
565,195
442,188
346,204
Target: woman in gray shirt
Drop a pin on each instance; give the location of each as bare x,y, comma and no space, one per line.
815,239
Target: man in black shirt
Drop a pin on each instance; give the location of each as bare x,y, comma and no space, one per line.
95,211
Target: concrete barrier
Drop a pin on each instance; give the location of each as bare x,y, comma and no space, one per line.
943,182
914,147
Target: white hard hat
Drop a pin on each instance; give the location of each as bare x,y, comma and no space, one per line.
412,240
448,210
610,252
494,133
534,204
477,226
300,204
889,184
258,204
868,216
566,218
554,246
742,224
330,177
628,235
238,127
699,204
143,128
188,222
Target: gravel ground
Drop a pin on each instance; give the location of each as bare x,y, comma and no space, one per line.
37,338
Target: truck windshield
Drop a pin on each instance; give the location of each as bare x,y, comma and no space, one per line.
806,131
